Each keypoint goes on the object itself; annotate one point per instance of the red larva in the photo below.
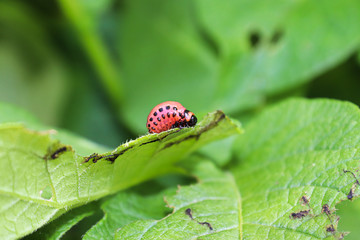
(168, 115)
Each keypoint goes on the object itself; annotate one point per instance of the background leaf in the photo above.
(56, 229)
(233, 55)
(124, 208)
(297, 148)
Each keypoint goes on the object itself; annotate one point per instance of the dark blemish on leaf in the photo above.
(276, 37)
(197, 136)
(356, 180)
(207, 224)
(188, 212)
(112, 157)
(156, 140)
(305, 200)
(328, 212)
(299, 215)
(326, 209)
(254, 39)
(92, 157)
(351, 193)
(330, 228)
(56, 154)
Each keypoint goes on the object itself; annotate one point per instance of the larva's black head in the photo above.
(193, 121)
(190, 118)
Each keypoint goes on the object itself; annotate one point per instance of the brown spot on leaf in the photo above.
(326, 209)
(330, 228)
(300, 214)
(189, 213)
(207, 224)
(353, 174)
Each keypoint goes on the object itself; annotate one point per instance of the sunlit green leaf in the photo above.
(210, 209)
(295, 162)
(36, 168)
(297, 148)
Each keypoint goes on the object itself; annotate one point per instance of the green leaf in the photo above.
(30, 68)
(85, 19)
(19, 217)
(289, 177)
(56, 229)
(349, 213)
(291, 48)
(173, 63)
(294, 149)
(123, 209)
(210, 209)
(199, 52)
(37, 169)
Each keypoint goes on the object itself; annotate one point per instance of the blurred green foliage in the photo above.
(96, 68)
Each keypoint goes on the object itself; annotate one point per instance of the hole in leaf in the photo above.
(276, 37)
(46, 193)
(254, 39)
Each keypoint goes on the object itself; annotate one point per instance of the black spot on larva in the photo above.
(168, 114)
(175, 108)
(167, 107)
(155, 123)
(163, 116)
(174, 114)
(159, 119)
(148, 125)
(161, 109)
(152, 128)
(155, 114)
(151, 119)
